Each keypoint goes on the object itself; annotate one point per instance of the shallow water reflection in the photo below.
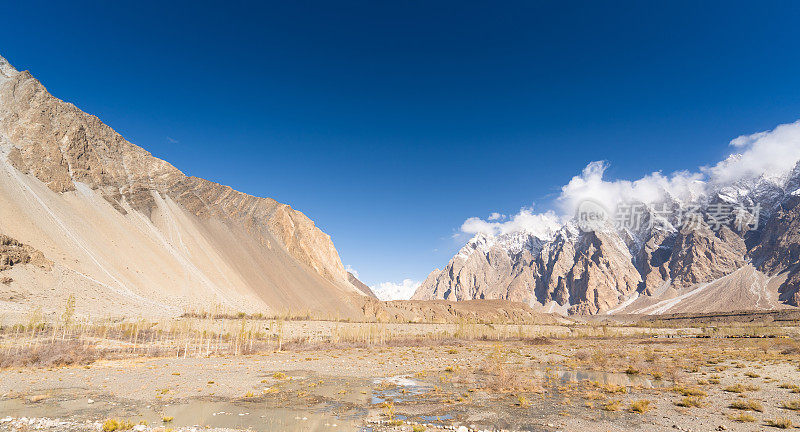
(241, 415)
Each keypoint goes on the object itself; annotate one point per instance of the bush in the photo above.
(110, 425)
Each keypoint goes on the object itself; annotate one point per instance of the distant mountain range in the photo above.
(734, 246)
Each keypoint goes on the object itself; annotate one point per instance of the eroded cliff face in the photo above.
(585, 273)
(484, 269)
(74, 154)
(778, 248)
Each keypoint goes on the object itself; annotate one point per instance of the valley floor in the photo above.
(580, 384)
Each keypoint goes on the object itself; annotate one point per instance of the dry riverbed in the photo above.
(637, 384)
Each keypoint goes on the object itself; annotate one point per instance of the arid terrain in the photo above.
(740, 373)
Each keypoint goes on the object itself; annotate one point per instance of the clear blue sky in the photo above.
(390, 124)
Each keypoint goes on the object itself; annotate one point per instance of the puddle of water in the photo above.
(397, 389)
(621, 379)
(245, 415)
(438, 420)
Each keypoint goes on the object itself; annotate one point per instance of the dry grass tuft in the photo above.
(739, 388)
(793, 405)
(640, 406)
(612, 405)
(743, 418)
(689, 391)
(747, 405)
(690, 402)
(781, 423)
(501, 377)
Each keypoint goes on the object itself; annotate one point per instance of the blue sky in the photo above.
(391, 124)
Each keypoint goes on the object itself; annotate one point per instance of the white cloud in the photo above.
(771, 153)
(172, 140)
(542, 225)
(654, 187)
(496, 216)
(396, 291)
(349, 268)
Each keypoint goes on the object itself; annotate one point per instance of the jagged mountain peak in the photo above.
(6, 69)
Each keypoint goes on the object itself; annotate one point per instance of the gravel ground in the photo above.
(576, 385)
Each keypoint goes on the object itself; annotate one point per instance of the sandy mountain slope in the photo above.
(129, 234)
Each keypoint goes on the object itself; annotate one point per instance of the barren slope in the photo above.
(130, 234)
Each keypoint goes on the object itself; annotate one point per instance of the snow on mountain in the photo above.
(395, 291)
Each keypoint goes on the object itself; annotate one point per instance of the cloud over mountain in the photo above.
(770, 154)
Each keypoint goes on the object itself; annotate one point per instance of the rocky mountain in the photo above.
(665, 264)
(360, 285)
(129, 233)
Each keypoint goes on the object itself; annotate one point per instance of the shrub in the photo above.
(110, 425)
